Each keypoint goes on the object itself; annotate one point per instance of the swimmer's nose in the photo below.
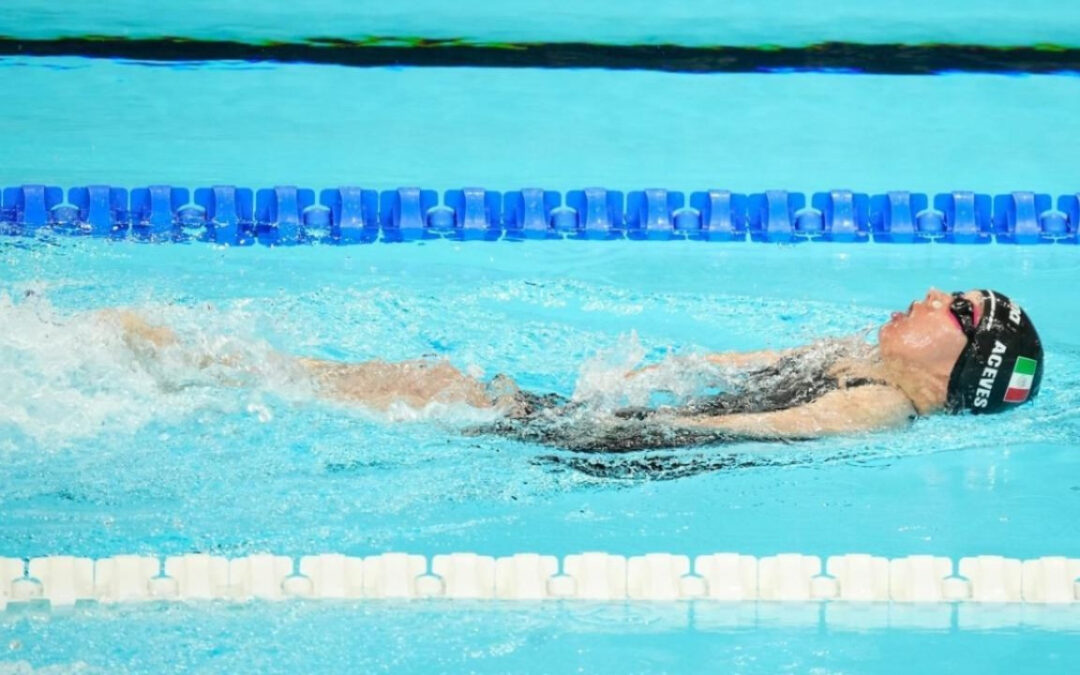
(936, 299)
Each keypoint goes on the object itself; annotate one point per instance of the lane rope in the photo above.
(286, 215)
(597, 576)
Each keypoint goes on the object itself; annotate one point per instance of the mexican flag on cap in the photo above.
(1020, 382)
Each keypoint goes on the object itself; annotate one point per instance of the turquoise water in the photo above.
(89, 432)
(75, 122)
(102, 454)
(688, 22)
(425, 637)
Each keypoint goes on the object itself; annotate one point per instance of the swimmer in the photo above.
(974, 352)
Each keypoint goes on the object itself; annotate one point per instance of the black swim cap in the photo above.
(1002, 364)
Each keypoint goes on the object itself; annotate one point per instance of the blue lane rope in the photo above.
(286, 215)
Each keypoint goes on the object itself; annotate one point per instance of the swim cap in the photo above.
(1002, 364)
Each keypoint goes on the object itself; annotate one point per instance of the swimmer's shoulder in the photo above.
(869, 404)
(869, 407)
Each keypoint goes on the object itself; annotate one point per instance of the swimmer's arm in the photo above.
(735, 360)
(868, 408)
(758, 359)
(137, 331)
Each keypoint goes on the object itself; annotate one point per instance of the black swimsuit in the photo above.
(553, 420)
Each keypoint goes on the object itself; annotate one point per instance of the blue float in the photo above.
(27, 208)
(477, 213)
(650, 214)
(845, 215)
(354, 214)
(965, 217)
(592, 213)
(527, 213)
(722, 215)
(154, 212)
(1027, 218)
(190, 222)
(345, 215)
(893, 217)
(101, 210)
(687, 222)
(229, 213)
(772, 215)
(1054, 224)
(403, 213)
(280, 215)
(1069, 207)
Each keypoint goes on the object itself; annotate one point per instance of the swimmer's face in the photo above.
(928, 336)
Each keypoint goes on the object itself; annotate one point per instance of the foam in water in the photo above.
(69, 377)
(607, 381)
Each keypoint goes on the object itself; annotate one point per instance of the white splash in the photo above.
(71, 376)
(611, 379)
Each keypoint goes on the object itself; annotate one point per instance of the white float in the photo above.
(392, 575)
(597, 576)
(918, 578)
(1050, 580)
(333, 575)
(728, 576)
(260, 576)
(656, 576)
(860, 577)
(787, 576)
(993, 578)
(465, 575)
(124, 578)
(524, 576)
(10, 570)
(64, 579)
(195, 576)
(919, 586)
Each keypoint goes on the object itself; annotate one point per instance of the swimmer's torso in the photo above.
(790, 382)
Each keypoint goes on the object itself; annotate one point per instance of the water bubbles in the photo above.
(73, 375)
(260, 411)
(602, 380)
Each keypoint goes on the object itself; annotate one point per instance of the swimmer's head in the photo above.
(1002, 364)
(960, 352)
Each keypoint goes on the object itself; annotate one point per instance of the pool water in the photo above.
(483, 638)
(693, 22)
(102, 454)
(89, 122)
(89, 431)
(105, 456)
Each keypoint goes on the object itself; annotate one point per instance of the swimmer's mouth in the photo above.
(897, 315)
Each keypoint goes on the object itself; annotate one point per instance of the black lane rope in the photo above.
(893, 59)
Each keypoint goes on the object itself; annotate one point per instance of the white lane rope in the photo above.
(596, 576)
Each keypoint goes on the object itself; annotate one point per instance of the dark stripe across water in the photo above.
(895, 59)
